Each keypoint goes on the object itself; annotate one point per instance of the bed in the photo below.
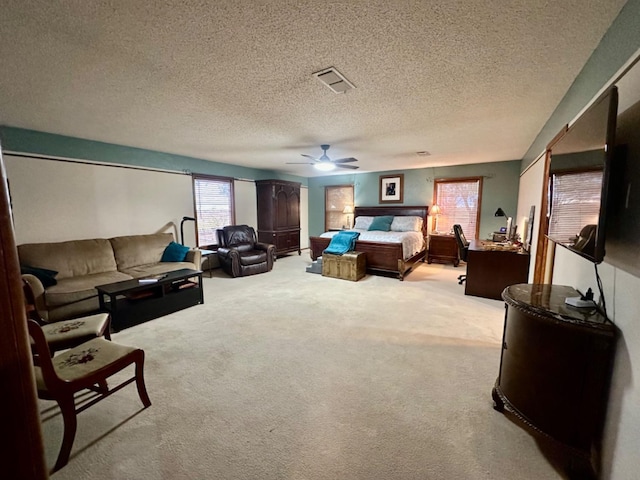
(387, 258)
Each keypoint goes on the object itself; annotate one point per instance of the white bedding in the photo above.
(412, 242)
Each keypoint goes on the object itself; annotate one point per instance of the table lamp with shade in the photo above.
(435, 211)
(348, 210)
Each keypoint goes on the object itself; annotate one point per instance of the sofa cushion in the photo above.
(252, 258)
(174, 252)
(157, 268)
(75, 289)
(133, 250)
(74, 258)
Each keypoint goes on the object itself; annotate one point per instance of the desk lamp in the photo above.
(348, 210)
(435, 210)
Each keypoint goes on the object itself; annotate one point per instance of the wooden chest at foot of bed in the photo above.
(350, 266)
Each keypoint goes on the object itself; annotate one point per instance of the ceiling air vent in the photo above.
(334, 80)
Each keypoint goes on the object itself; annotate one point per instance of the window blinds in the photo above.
(213, 198)
(336, 198)
(575, 202)
(459, 204)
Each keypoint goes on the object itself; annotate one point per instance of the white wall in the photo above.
(56, 200)
(245, 202)
(530, 194)
(621, 292)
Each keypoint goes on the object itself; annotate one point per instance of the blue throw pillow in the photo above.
(46, 276)
(174, 253)
(382, 223)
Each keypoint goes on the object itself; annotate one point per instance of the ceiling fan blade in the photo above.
(309, 156)
(352, 167)
(299, 163)
(345, 160)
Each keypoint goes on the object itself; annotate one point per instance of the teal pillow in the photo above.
(382, 223)
(174, 253)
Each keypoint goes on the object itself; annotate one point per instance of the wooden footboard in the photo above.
(381, 257)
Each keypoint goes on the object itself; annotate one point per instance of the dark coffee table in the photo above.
(131, 302)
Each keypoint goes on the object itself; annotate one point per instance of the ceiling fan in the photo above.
(325, 163)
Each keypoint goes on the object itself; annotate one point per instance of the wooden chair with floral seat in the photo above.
(66, 334)
(59, 378)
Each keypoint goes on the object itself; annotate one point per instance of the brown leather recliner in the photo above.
(240, 254)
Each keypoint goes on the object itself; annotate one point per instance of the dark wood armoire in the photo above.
(279, 214)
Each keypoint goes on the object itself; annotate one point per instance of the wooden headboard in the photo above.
(396, 210)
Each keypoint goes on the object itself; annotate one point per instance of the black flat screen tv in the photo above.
(579, 179)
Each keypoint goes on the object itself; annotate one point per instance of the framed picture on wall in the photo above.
(391, 187)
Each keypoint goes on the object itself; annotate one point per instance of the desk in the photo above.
(490, 271)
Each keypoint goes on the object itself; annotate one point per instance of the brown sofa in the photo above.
(84, 264)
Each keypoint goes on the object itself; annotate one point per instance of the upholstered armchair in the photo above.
(240, 254)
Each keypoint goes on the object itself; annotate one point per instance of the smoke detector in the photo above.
(333, 79)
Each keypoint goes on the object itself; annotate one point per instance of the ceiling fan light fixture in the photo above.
(324, 166)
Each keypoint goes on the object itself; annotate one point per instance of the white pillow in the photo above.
(363, 223)
(406, 224)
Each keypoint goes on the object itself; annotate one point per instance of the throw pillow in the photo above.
(406, 224)
(174, 253)
(363, 223)
(46, 277)
(381, 223)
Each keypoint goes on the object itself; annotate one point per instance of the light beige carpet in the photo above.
(291, 375)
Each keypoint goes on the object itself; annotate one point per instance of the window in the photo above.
(459, 201)
(575, 202)
(336, 198)
(213, 198)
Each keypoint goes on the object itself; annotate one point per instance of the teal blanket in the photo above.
(342, 242)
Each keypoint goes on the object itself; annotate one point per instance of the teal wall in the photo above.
(30, 141)
(500, 189)
(620, 42)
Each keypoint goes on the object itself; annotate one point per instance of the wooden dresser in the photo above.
(278, 204)
(443, 248)
(555, 368)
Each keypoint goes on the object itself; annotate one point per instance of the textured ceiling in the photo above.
(231, 81)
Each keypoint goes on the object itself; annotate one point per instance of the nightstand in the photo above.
(443, 248)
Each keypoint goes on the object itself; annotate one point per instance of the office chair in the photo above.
(463, 248)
